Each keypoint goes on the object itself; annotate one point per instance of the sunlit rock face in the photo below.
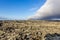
(50, 10)
(52, 36)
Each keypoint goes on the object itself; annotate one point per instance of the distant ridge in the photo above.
(4, 18)
(52, 20)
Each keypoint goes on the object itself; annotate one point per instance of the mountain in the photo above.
(4, 18)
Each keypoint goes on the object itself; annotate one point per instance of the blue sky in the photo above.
(19, 9)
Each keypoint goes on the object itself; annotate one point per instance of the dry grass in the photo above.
(27, 30)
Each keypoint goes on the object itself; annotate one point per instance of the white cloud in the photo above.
(50, 10)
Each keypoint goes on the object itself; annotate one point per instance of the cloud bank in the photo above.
(50, 10)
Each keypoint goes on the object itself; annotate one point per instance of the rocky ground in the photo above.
(29, 30)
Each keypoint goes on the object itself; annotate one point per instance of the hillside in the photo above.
(29, 30)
